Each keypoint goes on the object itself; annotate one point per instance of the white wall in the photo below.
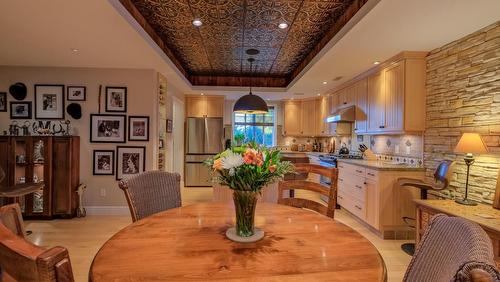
(141, 100)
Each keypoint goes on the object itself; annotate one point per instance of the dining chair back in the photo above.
(21, 260)
(151, 192)
(328, 191)
(11, 217)
(453, 249)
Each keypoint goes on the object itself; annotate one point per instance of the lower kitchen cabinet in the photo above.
(374, 197)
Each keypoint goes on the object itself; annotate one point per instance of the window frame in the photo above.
(259, 124)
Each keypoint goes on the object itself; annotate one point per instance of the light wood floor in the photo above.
(84, 236)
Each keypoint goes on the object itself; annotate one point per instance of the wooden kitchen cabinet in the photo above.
(361, 123)
(204, 106)
(308, 118)
(293, 118)
(323, 108)
(394, 97)
(374, 197)
(376, 102)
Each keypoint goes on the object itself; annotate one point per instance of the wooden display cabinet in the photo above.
(51, 159)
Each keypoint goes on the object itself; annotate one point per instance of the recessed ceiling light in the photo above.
(324, 82)
(319, 94)
(74, 50)
(197, 22)
(283, 25)
(376, 63)
(202, 94)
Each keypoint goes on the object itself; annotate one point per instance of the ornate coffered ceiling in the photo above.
(214, 54)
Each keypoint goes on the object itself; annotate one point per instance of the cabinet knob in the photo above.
(355, 128)
(345, 103)
(364, 183)
(381, 126)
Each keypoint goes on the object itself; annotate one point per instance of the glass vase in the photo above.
(244, 204)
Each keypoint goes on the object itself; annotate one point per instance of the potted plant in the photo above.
(246, 170)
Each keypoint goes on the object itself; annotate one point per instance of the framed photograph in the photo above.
(20, 110)
(116, 99)
(107, 128)
(104, 162)
(3, 101)
(138, 128)
(130, 161)
(169, 125)
(76, 93)
(49, 101)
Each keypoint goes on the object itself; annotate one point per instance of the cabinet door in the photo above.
(371, 203)
(292, 114)
(196, 106)
(308, 118)
(323, 112)
(4, 160)
(361, 106)
(376, 102)
(394, 97)
(334, 103)
(215, 106)
(63, 189)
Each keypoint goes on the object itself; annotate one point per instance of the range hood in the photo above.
(343, 115)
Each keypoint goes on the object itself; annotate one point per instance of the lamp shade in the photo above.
(471, 143)
(250, 104)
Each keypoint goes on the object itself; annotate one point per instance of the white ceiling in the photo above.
(42, 33)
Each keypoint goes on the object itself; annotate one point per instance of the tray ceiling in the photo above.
(214, 53)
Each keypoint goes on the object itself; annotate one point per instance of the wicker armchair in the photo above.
(151, 192)
(453, 249)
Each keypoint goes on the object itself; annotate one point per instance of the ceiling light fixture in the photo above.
(319, 94)
(283, 25)
(324, 82)
(250, 103)
(376, 63)
(202, 93)
(197, 22)
(74, 50)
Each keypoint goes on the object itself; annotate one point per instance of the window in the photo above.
(256, 127)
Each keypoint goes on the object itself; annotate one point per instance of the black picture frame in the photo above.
(131, 130)
(13, 103)
(3, 101)
(169, 126)
(119, 160)
(70, 90)
(94, 138)
(95, 168)
(111, 108)
(43, 114)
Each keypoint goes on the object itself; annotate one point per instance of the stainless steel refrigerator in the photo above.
(204, 138)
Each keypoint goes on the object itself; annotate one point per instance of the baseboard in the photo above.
(107, 210)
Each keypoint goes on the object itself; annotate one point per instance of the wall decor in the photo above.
(106, 128)
(3, 101)
(138, 128)
(169, 126)
(18, 91)
(76, 93)
(20, 110)
(49, 101)
(130, 160)
(116, 99)
(104, 162)
(74, 110)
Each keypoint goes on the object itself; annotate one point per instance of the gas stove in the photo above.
(332, 158)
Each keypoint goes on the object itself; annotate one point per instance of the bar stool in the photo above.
(441, 181)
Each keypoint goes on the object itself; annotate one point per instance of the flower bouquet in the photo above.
(246, 170)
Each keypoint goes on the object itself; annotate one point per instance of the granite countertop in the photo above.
(382, 165)
(303, 153)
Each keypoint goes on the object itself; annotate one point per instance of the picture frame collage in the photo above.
(114, 126)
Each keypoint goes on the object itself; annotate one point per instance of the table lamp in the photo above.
(470, 143)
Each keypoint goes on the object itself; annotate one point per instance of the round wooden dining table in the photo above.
(189, 244)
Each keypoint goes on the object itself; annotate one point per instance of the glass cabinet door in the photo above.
(21, 170)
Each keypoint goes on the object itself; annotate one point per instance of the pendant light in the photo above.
(250, 103)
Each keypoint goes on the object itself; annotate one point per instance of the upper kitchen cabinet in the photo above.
(309, 118)
(361, 103)
(204, 106)
(293, 118)
(323, 111)
(389, 98)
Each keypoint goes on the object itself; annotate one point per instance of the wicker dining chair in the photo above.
(151, 192)
(21, 260)
(329, 191)
(12, 218)
(453, 249)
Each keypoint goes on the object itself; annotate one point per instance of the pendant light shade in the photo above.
(250, 103)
